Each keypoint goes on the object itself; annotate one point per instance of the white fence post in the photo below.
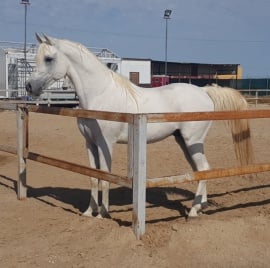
(137, 170)
(22, 145)
(130, 156)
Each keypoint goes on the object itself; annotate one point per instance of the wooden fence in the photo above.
(136, 178)
(256, 96)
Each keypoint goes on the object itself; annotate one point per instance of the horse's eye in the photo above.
(48, 59)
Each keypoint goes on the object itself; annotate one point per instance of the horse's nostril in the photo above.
(28, 87)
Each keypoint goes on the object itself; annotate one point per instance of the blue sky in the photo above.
(199, 31)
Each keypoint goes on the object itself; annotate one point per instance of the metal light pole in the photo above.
(25, 3)
(167, 14)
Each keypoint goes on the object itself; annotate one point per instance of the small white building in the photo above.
(137, 71)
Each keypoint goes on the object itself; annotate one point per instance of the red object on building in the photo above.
(159, 80)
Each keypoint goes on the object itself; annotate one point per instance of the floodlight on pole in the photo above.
(167, 15)
(25, 3)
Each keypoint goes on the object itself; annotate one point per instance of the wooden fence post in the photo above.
(137, 169)
(22, 146)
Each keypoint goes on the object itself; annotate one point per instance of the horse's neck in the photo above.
(90, 78)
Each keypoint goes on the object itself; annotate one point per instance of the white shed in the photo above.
(137, 70)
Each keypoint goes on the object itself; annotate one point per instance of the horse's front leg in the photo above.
(194, 154)
(92, 151)
(105, 158)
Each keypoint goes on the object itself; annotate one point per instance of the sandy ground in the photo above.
(47, 229)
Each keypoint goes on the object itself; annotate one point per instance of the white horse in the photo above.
(99, 88)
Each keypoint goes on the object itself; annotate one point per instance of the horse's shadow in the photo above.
(121, 199)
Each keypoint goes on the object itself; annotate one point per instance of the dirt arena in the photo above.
(47, 229)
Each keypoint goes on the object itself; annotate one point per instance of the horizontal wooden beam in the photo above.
(92, 172)
(102, 115)
(203, 116)
(170, 180)
(207, 175)
(152, 117)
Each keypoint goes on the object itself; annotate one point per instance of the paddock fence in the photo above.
(137, 128)
(256, 96)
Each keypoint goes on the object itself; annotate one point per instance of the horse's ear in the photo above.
(39, 39)
(49, 40)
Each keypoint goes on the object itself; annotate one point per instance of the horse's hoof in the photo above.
(103, 216)
(103, 213)
(89, 213)
(193, 213)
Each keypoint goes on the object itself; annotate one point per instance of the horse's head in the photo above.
(52, 65)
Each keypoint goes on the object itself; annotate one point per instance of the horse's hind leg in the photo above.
(193, 148)
(200, 200)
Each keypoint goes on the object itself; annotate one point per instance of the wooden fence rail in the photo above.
(208, 175)
(136, 151)
(111, 116)
(99, 174)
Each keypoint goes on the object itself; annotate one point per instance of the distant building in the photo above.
(183, 71)
(137, 71)
(143, 72)
(147, 72)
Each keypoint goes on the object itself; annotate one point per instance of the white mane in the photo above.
(124, 83)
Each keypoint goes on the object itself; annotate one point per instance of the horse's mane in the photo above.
(118, 79)
(124, 83)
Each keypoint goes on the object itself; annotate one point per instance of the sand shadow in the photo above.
(121, 198)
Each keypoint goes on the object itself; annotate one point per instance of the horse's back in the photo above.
(178, 97)
(175, 98)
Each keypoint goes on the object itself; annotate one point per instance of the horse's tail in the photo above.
(228, 99)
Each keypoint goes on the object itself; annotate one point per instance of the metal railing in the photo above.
(49, 97)
(255, 96)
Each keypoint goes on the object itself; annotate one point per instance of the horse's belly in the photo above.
(155, 132)
(160, 131)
